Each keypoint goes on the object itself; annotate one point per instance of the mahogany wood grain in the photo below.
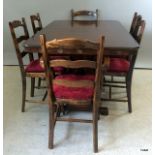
(116, 36)
(118, 41)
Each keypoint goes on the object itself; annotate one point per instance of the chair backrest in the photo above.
(137, 27)
(75, 46)
(19, 38)
(139, 30)
(36, 23)
(134, 22)
(84, 15)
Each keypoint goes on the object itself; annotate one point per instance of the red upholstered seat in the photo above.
(34, 66)
(71, 92)
(76, 77)
(118, 65)
(58, 69)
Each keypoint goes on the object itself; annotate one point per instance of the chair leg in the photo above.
(39, 82)
(44, 97)
(51, 127)
(129, 96)
(110, 89)
(23, 94)
(32, 87)
(95, 127)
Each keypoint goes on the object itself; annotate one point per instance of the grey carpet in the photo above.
(120, 133)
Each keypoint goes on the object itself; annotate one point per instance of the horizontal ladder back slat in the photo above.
(21, 38)
(34, 17)
(73, 64)
(84, 12)
(38, 29)
(23, 53)
(74, 84)
(72, 43)
(16, 23)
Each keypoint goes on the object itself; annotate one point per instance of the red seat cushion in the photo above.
(57, 69)
(75, 93)
(34, 66)
(118, 65)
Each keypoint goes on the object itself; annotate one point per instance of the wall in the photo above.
(50, 10)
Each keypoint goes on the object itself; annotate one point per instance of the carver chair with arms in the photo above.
(73, 89)
(33, 69)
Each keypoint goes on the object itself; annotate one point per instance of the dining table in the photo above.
(118, 41)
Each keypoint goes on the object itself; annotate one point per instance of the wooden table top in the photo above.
(116, 36)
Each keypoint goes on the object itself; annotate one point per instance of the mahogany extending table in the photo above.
(117, 39)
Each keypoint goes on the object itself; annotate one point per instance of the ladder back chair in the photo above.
(120, 67)
(36, 23)
(33, 69)
(36, 26)
(139, 30)
(73, 89)
(133, 23)
(84, 16)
